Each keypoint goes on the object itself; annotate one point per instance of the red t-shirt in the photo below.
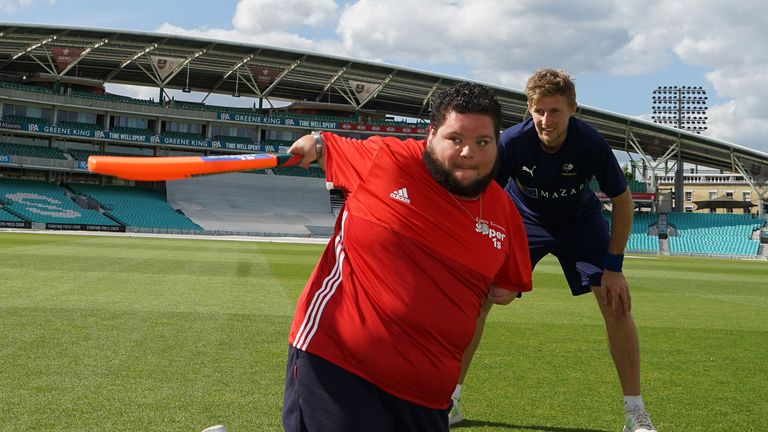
(397, 292)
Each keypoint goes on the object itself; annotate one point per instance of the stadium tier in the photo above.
(25, 119)
(131, 130)
(312, 171)
(713, 234)
(640, 238)
(48, 203)
(260, 205)
(23, 87)
(634, 186)
(183, 135)
(82, 155)
(111, 98)
(31, 151)
(137, 207)
(80, 125)
(50, 134)
(233, 139)
(8, 217)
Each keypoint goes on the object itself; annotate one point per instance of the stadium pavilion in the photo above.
(59, 105)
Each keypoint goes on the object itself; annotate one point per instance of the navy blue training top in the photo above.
(553, 188)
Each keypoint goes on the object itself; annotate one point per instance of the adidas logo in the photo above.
(401, 195)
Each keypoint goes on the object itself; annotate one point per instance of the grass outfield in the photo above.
(127, 334)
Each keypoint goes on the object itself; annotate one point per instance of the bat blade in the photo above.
(181, 167)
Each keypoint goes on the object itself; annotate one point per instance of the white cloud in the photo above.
(503, 42)
(495, 39)
(272, 38)
(266, 16)
(137, 92)
(11, 6)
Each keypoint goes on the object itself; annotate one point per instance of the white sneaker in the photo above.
(454, 415)
(638, 420)
(217, 428)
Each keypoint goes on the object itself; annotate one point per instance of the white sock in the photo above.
(633, 402)
(456, 392)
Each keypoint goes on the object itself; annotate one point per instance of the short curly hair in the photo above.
(465, 98)
(550, 82)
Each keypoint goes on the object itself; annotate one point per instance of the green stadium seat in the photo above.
(43, 202)
(182, 135)
(137, 207)
(131, 130)
(233, 139)
(25, 119)
(9, 217)
(31, 151)
(80, 125)
(713, 234)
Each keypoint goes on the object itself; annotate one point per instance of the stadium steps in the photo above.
(13, 118)
(642, 236)
(82, 155)
(131, 130)
(42, 202)
(14, 217)
(112, 98)
(233, 139)
(35, 151)
(80, 125)
(183, 135)
(136, 207)
(664, 247)
(713, 234)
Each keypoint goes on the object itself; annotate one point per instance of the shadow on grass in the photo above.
(480, 423)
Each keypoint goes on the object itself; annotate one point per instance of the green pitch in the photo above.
(127, 334)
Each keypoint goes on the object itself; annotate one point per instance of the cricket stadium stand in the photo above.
(255, 204)
(31, 151)
(5, 216)
(136, 207)
(713, 234)
(56, 109)
(47, 203)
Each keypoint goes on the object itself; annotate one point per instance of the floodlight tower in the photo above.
(685, 108)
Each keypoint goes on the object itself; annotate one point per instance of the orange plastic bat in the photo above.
(180, 167)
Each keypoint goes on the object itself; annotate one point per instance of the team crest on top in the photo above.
(568, 169)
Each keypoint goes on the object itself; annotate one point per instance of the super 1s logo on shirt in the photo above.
(496, 236)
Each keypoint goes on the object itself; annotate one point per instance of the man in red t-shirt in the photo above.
(425, 238)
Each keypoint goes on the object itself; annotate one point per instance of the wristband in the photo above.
(613, 262)
(319, 144)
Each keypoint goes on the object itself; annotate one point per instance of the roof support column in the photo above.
(679, 180)
(754, 182)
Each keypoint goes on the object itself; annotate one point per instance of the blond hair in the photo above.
(550, 82)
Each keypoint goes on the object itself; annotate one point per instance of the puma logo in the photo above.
(529, 170)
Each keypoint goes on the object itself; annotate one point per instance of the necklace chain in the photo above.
(477, 219)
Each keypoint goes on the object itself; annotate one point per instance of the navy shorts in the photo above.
(320, 397)
(580, 247)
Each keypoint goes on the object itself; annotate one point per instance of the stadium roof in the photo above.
(215, 66)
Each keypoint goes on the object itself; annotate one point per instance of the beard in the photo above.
(449, 181)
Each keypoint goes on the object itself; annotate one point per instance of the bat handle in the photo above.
(286, 160)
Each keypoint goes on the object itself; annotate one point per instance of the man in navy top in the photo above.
(546, 165)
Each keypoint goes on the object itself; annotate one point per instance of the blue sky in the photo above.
(617, 51)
